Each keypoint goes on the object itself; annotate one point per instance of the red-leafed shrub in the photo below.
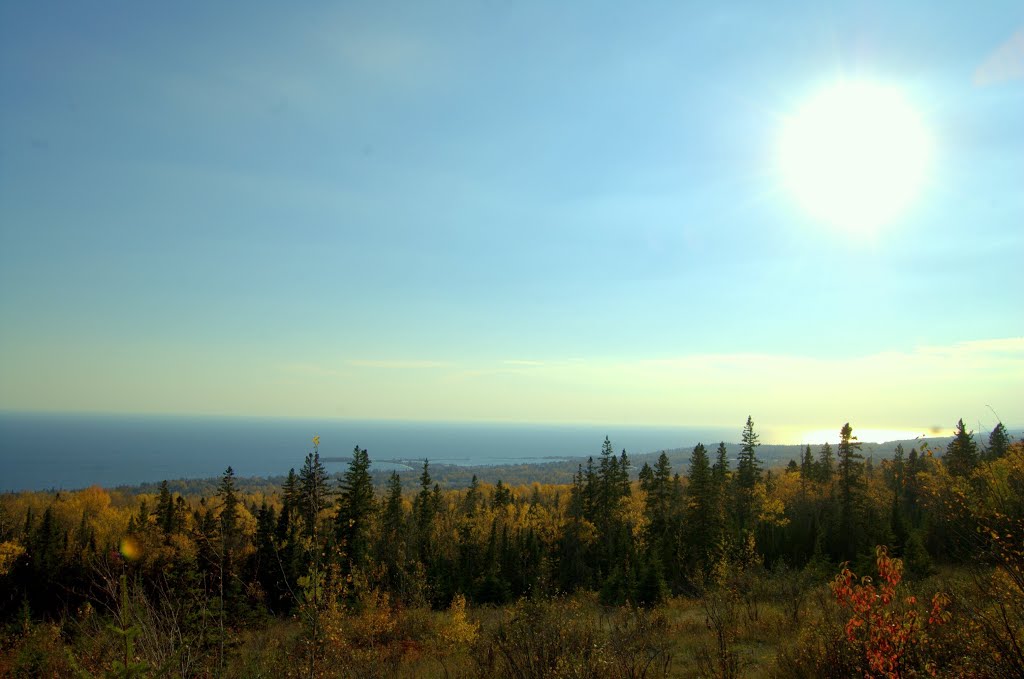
(893, 633)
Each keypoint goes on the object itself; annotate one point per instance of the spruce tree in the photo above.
(807, 465)
(851, 471)
(748, 473)
(962, 453)
(645, 477)
(424, 509)
(165, 510)
(825, 465)
(998, 442)
(748, 467)
(471, 502)
(660, 511)
(702, 531)
(392, 538)
(623, 475)
(228, 497)
(899, 470)
(355, 508)
(720, 470)
(502, 496)
(314, 493)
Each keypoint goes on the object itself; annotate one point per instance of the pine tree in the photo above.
(392, 541)
(998, 443)
(702, 531)
(502, 496)
(165, 510)
(608, 480)
(646, 477)
(180, 514)
(291, 493)
(825, 463)
(720, 477)
(423, 507)
(228, 496)
(962, 453)
(659, 510)
(748, 473)
(720, 470)
(355, 508)
(314, 494)
(807, 465)
(623, 475)
(471, 502)
(850, 491)
(590, 491)
(899, 470)
(748, 467)
(394, 516)
(424, 510)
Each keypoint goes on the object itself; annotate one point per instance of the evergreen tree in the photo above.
(826, 466)
(748, 473)
(850, 492)
(899, 470)
(502, 496)
(355, 508)
(702, 531)
(646, 477)
(573, 564)
(266, 565)
(660, 511)
(228, 496)
(998, 443)
(391, 547)
(424, 510)
(748, 467)
(807, 465)
(473, 498)
(720, 477)
(45, 549)
(291, 492)
(314, 494)
(623, 475)
(962, 453)
(720, 471)
(423, 507)
(180, 514)
(394, 516)
(609, 486)
(590, 490)
(165, 510)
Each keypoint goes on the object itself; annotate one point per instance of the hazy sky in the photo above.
(499, 210)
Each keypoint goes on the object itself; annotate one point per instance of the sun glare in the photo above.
(855, 155)
(820, 436)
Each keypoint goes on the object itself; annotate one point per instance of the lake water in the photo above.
(40, 451)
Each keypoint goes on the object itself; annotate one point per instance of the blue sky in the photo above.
(498, 211)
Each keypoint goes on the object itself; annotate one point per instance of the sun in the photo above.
(855, 155)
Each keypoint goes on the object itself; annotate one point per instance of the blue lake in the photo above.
(40, 451)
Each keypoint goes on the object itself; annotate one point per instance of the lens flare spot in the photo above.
(130, 549)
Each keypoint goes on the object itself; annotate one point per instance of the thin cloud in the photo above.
(1013, 346)
(1004, 64)
(397, 364)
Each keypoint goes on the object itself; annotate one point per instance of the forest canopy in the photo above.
(165, 582)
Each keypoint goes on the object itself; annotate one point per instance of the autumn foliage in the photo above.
(891, 631)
